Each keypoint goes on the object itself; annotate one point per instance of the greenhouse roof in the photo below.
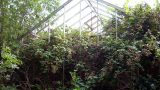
(81, 14)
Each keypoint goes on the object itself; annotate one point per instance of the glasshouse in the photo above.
(79, 44)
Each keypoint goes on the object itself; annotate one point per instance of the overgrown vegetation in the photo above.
(72, 62)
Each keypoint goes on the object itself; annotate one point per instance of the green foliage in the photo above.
(7, 65)
(127, 9)
(77, 82)
(8, 88)
(18, 16)
(80, 84)
(133, 59)
(142, 21)
(72, 62)
(10, 60)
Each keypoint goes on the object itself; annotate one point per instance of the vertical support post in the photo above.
(49, 32)
(64, 23)
(91, 21)
(116, 26)
(80, 29)
(97, 23)
(91, 25)
(80, 24)
(64, 28)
